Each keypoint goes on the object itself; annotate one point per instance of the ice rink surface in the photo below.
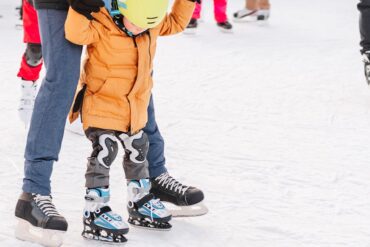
(272, 122)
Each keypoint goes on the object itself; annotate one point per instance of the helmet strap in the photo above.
(118, 20)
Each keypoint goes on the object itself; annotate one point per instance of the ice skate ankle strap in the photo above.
(96, 199)
(103, 210)
(143, 200)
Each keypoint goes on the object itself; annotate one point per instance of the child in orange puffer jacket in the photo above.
(115, 88)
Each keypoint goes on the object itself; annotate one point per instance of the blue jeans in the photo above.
(62, 63)
(155, 155)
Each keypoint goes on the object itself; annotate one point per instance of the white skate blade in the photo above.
(27, 232)
(150, 228)
(187, 211)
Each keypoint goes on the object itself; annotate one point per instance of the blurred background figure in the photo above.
(219, 7)
(255, 10)
(364, 8)
(19, 11)
(31, 63)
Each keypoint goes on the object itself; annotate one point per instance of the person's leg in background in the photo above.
(251, 4)
(220, 8)
(264, 4)
(31, 62)
(193, 24)
(364, 25)
(197, 11)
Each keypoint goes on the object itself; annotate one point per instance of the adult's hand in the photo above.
(86, 7)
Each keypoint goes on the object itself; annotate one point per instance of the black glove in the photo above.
(366, 60)
(85, 7)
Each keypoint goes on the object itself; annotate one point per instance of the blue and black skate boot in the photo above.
(100, 222)
(144, 209)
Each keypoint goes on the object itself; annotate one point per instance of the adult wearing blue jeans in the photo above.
(35, 208)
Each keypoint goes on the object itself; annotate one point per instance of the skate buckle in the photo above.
(130, 204)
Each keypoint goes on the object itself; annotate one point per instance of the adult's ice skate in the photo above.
(39, 221)
(184, 200)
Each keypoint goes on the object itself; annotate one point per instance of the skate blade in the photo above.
(27, 232)
(91, 237)
(148, 226)
(151, 228)
(198, 209)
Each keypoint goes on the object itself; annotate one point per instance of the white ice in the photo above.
(272, 122)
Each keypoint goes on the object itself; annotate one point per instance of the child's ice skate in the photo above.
(185, 200)
(39, 221)
(100, 223)
(144, 210)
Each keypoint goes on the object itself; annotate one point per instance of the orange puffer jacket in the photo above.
(117, 70)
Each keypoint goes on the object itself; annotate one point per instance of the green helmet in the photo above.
(143, 13)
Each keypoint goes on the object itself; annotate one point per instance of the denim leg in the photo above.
(155, 155)
(62, 63)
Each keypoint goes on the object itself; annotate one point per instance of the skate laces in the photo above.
(45, 204)
(169, 182)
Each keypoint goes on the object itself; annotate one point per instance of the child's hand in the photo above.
(85, 7)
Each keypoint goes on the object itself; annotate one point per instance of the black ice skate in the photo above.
(39, 221)
(225, 26)
(185, 200)
(144, 210)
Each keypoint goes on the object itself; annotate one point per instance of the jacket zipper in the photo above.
(150, 54)
(134, 38)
